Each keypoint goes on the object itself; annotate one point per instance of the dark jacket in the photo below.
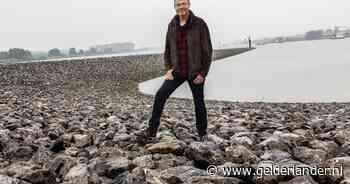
(199, 46)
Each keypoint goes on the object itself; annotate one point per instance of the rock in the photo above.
(3, 163)
(72, 151)
(78, 174)
(275, 155)
(328, 146)
(309, 156)
(346, 181)
(122, 178)
(341, 136)
(118, 165)
(215, 180)
(55, 131)
(165, 148)
(12, 123)
(21, 152)
(245, 141)
(267, 172)
(4, 137)
(19, 169)
(137, 175)
(291, 163)
(222, 143)
(320, 125)
(301, 180)
(67, 138)
(140, 175)
(181, 174)
(29, 172)
(227, 130)
(98, 166)
(184, 134)
(42, 156)
(83, 156)
(303, 132)
(274, 142)
(153, 176)
(266, 125)
(336, 164)
(290, 138)
(112, 119)
(92, 151)
(165, 161)
(204, 154)
(82, 140)
(57, 146)
(9, 180)
(268, 178)
(240, 154)
(60, 165)
(144, 161)
(123, 140)
(40, 176)
(29, 134)
(345, 148)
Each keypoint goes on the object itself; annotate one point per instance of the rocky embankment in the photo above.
(74, 122)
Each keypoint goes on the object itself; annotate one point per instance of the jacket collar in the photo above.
(176, 20)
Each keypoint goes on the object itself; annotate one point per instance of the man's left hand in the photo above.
(199, 79)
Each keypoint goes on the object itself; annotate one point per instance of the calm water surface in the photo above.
(308, 71)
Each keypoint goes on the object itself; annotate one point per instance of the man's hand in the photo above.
(169, 75)
(199, 79)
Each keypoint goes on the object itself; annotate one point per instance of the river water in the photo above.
(307, 71)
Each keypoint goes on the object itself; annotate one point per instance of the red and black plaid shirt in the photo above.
(182, 51)
(181, 41)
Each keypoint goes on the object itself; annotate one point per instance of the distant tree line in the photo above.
(22, 54)
(25, 55)
(16, 53)
(55, 52)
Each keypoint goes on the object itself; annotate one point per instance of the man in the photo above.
(250, 42)
(187, 57)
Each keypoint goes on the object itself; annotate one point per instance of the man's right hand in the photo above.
(169, 75)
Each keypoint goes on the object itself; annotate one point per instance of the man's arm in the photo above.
(207, 50)
(167, 58)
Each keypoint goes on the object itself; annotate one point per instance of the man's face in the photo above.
(182, 7)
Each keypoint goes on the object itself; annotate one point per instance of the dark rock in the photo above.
(204, 154)
(40, 176)
(60, 165)
(181, 174)
(57, 146)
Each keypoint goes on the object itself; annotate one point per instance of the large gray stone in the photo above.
(9, 180)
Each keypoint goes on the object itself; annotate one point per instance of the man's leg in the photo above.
(200, 109)
(167, 88)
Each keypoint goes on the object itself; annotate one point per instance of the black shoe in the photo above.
(203, 138)
(145, 136)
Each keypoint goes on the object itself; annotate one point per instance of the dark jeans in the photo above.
(167, 88)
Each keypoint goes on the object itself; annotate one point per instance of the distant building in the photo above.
(337, 32)
(115, 48)
(342, 33)
(329, 33)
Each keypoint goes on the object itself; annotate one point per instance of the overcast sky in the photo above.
(45, 24)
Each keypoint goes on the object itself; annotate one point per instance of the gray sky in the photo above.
(44, 24)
